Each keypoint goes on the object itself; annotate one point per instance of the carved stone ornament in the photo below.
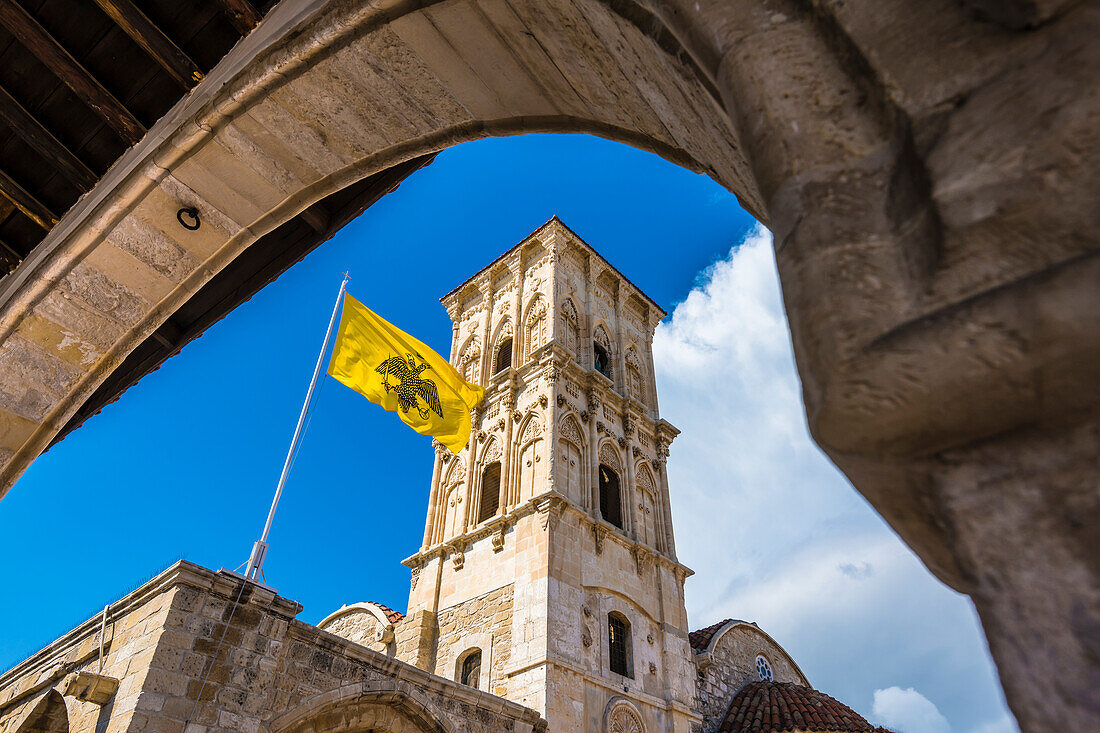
(610, 457)
(599, 532)
(549, 510)
(600, 427)
(498, 537)
(499, 425)
(553, 371)
(458, 558)
(641, 558)
(517, 415)
(622, 717)
(561, 400)
(584, 416)
(636, 451)
(481, 436)
(569, 431)
(544, 400)
(652, 668)
(593, 399)
(628, 424)
(586, 639)
(622, 442)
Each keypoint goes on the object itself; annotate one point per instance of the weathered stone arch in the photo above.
(46, 715)
(610, 456)
(536, 326)
(390, 706)
(941, 200)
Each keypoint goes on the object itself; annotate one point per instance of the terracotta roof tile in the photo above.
(391, 615)
(773, 707)
(700, 639)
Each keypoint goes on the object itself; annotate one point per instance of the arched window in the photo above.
(764, 669)
(618, 644)
(490, 492)
(469, 669)
(601, 352)
(471, 360)
(611, 505)
(504, 356)
(570, 326)
(535, 335)
(635, 386)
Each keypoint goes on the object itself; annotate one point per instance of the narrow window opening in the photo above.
(471, 669)
(504, 356)
(611, 507)
(490, 492)
(602, 359)
(618, 644)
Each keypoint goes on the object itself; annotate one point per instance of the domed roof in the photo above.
(772, 707)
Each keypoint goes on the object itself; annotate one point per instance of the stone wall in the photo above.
(190, 654)
(484, 622)
(362, 625)
(730, 663)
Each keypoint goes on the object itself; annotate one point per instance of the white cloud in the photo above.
(908, 711)
(775, 532)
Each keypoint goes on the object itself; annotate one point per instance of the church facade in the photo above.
(546, 594)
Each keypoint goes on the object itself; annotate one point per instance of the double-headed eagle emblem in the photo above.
(411, 388)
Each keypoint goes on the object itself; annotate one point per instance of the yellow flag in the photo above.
(392, 369)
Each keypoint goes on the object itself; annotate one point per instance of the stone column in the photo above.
(666, 507)
(651, 373)
(507, 490)
(486, 288)
(593, 452)
(433, 496)
(630, 498)
(471, 465)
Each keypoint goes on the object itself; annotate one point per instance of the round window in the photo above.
(764, 669)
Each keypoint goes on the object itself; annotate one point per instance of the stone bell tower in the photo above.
(548, 572)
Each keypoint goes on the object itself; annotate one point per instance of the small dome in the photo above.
(773, 707)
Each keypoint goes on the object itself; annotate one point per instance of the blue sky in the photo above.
(184, 464)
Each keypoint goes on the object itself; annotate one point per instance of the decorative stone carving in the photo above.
(584, 416)
(641, 558)
(628, 424)
(517, 415)
(600, 427)
(636, 451)
(549, 509)
(492, 453)
(599, 533)
(415, 576)
(645, 478)
(459, 556)
(543, 400)
(498, 536)
(622, 717)
(652, 668)
(561, 400)
(570, 432)
(586, 639)
(610, 457)
(622, 442)
(481, 436)
(531, 430)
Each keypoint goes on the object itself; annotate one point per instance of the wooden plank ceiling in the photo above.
(80, 82)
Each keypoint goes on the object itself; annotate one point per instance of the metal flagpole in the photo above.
(259, 550)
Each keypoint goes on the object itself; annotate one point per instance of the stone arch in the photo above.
(382, 705)
(571, 460)
(469, 361)
(634, 383)
(536, 327)
(570, 327)
(369, 624)
(530, 458)
(603, 362)
(502, 338)
(623, 716)
(47, 715)
(917, 302)
(610, 456)
(451, 503)
(648, 526)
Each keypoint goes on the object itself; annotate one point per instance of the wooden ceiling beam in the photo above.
(35, 135)
(27, 203)
(242, 14)
(39, 42)
(153, 41)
